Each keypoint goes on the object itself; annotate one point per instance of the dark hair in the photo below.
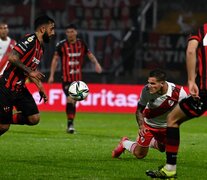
(158, 74)
(43, 19)
(71, 26)
(3, 22)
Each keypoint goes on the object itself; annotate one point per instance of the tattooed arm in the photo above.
(14, 58)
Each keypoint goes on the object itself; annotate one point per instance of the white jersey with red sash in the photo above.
(157, 107)
(5, 47)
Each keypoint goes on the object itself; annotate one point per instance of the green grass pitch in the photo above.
(46, 151)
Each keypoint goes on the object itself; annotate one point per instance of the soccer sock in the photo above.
(153, 144)
(129, 145)
(70, 111)
(172, 145)
(18, 118)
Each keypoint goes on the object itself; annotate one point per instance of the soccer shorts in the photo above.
(194, 108)
(158, 133)
(22, 101)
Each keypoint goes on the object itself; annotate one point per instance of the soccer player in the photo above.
(71, 52)
(6, 45)
(192, 106)
(23, 61)
(157, 99)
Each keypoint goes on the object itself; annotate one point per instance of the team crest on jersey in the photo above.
(171, 103)
(142, 139)
(30, 39)
(35, 60)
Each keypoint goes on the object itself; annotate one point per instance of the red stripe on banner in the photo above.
(109, 98)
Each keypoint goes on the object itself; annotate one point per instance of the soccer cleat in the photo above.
(71, 129)
(162, 173)
(119, 149)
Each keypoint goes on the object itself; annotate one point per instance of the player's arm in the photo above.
(14, 58)
(191, 66)
(41, 89)
(139, 115)
(95, 61)
(53, 67)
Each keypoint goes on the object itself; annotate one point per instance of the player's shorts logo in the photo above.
(7, 109)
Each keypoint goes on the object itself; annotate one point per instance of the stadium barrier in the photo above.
(103, 98)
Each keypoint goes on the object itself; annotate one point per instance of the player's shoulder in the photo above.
(30, 37)
(145, 90)
(174, 86)
(26, 43)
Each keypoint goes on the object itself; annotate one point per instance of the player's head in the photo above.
(157, 81)
(71, 32)
(45, 26)
(4, 30)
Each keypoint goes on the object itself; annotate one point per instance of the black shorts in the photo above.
(22, 101)
(194, 108)
(65, 86)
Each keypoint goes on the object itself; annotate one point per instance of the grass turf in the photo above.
(46, 151)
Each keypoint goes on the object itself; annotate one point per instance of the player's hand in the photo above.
(51, 79)
(142, 130)
(193, 89)
(98, 68)
(37, 75)
(43, 96)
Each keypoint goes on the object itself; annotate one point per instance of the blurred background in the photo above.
(128, 37)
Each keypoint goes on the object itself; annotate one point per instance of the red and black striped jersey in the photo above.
(30, 51)
(72, 55)
(201, 37)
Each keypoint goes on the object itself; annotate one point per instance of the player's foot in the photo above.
(162, 173)
(119, 149)
(71, 129)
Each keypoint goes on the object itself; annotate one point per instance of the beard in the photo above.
(46, 38)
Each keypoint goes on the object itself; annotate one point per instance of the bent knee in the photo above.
(4, 128)
(139, 155)
(34, 119)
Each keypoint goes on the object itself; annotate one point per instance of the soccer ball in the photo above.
(78, 90)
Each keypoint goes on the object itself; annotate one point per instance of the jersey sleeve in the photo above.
(58, 49)
(182, 94)
(87, 50)
(143, 100)
(196, 35)
(143, 97)
(25, 45)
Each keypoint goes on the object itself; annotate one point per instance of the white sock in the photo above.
(128, 145)
(170, 167)
(153, 143)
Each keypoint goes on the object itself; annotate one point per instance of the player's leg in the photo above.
(174, 119)
(159, 139)
(71, 112)
(138, 148)
(5, 117)
(5, 109)
(4, 128)
(27, 111)
(70, 108)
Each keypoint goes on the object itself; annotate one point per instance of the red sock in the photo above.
(18, 118)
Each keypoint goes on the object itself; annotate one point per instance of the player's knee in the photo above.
(140, 155)
(4, 128)
(34, 119)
